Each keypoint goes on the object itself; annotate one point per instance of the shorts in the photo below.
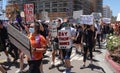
(34, 66)
(2, 47)
(55, 45)
(66, 53)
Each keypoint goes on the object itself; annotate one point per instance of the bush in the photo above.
(113, 42)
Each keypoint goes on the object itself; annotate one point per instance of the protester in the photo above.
(67, 52)
(78, 38)
(3, 39)
(97, 25)
(38, 44)
(87, 43)
(54, 41)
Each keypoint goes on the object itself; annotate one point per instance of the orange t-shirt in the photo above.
(37, 42)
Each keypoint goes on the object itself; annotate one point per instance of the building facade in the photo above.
(1, 4)
(97, 5)
(107, 13)
(56, 8)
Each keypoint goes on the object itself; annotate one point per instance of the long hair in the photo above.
(37, 27)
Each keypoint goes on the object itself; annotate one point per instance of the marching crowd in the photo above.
(84, 37)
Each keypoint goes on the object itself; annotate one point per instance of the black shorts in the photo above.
(34, 66)
(55, 45)
(66, 53)
(78, 41)
(2, 47)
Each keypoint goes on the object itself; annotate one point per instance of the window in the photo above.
(48, 10)
(60, 5)
(61, 10)
(40, 5)
(64, 4)
(47, 4)
(54, 4)
(40, 10)
(54, 10)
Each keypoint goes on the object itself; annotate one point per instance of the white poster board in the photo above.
(118, 17)
(86, 19)
(77, 14)
(97, 15)
(64, 39)
(18, 39)
(54, 29)
(106, 20)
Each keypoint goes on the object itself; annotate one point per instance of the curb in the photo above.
(112, 63)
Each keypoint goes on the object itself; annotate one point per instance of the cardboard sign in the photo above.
(97, 15)
(64, 39)
(53, 29)
(86, 19)
(18, 39)
(29, 12)
(77, 14)
(106, 20)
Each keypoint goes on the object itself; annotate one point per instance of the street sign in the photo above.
(64, 39)
(18, 39)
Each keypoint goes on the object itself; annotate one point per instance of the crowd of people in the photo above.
(84, 37)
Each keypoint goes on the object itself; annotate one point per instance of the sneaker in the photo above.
(52, 66)
(67, 71)
(8, 60)
(19, 71)
(82, 67)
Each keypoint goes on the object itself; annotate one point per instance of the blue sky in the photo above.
(114, 5)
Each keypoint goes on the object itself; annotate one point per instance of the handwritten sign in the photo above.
(106, 20)
(18, 39)
(86, 19)
(53, 29)
(29, 12)
(64, 39)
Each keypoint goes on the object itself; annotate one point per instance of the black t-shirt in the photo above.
(80, 31)
(88, 37)
(3, 34)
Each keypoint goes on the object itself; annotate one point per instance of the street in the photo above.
(99, 63)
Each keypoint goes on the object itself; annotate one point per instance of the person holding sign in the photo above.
(3, 40)
(55, 47)
(38, 47)
(66, 36)
(88, 37)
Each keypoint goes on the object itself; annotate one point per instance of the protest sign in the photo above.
(96, 15)
(64, 39)
(18, 39)
(106, 20)
(54, 29)
(118, 17)
(29, 12)
(86, 19)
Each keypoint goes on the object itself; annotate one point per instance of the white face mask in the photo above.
(31, 30)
